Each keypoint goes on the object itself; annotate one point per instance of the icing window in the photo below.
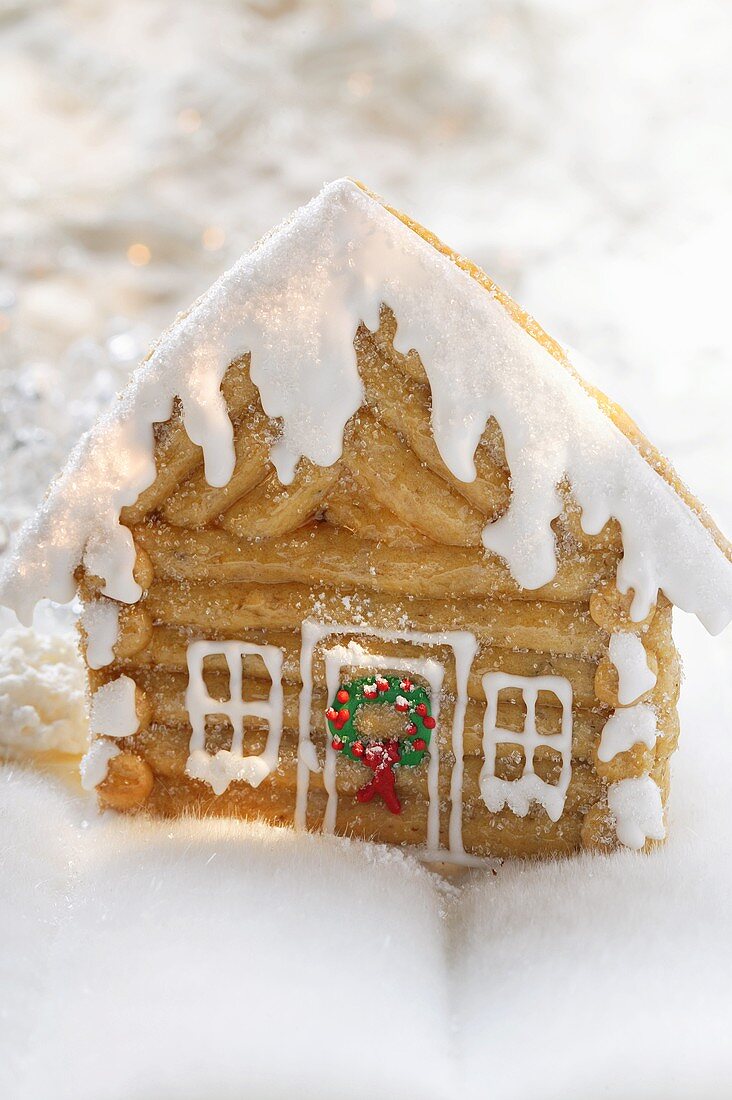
(228, 765)
(548, 741)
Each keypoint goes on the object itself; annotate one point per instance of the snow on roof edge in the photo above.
(338, 259)
(614, 412)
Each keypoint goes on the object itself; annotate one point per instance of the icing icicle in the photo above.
(295, 302)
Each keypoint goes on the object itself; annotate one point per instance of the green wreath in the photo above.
(409, 699)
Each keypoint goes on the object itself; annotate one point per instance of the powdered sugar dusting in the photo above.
(295, 302)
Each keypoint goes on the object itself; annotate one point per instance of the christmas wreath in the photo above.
(408, 699)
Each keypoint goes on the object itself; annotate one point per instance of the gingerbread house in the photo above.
(360, 552)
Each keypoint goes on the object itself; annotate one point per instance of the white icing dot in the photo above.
(42, 685)
(638, 811)
(626, 728)
(629, 656)
(113, 711)
(100, 620)
(95, 764)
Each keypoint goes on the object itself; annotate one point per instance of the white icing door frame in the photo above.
(226, 765)
(353, 656)
(464, 647)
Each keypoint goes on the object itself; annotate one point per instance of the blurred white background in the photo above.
(579, 150)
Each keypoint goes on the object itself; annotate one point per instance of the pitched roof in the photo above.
(295, 302)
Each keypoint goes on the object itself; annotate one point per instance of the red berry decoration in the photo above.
(337, 744)
(419, 744)
(331, 714)
(343, 696)
(411, 729)
(421, 709)
(382, 684)
(343, 715)
(401, 704)
(406, 685)
(357, 748)
(428, 722)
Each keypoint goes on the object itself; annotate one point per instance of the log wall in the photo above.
(387, 538)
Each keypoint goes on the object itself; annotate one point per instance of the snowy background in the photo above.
(580, 151)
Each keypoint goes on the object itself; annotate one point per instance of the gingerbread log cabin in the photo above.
(360, 552)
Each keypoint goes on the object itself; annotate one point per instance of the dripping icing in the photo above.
(230, 765)
(295, 303)
(100, 622)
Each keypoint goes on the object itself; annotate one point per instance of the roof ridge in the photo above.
(622, 420)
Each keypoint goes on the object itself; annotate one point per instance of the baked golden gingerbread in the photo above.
(360, 552)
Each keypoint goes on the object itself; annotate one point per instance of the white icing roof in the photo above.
(295, 302)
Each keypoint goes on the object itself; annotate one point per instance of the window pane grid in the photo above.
(518, 794)
(229, 764)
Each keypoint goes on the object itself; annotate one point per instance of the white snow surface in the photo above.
(588, 169)
(209, 958)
